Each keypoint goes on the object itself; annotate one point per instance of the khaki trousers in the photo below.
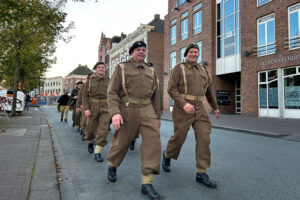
(202, 129)
(83, 121)
(98, 122)
(143, 120)
(64, 110)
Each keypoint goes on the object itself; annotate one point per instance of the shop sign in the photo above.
(280, 60)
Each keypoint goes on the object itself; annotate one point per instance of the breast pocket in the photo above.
(131, 78)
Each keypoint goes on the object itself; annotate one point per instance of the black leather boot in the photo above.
(83, 136)
(98, 157)
(81, 131)
(112, 174)
(166, 163)
(204, 179)
(131, 147)
(150, 191)
(73, 125)
(90, 147)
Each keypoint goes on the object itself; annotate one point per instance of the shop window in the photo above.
(266, 35)
(292, 88)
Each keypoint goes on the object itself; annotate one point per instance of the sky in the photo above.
(108, 16)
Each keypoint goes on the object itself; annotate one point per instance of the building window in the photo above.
(294, 26)
(181, 2)
(184, 29)
(228, 28)
(200, 51)
(172, 60)
(173, 35)
(198, 22)
(292, 88)
(268, 89)
(184, 14)
(198, 6)
(182, 58)
(261, 2)
(176, 4)
(266, 35)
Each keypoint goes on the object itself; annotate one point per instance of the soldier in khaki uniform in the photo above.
(134, 105)
(74, 97)
(96, 110)
(188, 84)
(79, 110)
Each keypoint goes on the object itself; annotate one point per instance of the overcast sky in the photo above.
(110, 16)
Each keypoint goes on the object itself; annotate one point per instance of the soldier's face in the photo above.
(100, 70)
(139, 54)
(192, 55)
(79, 85)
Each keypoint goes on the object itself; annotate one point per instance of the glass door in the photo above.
(268, 93)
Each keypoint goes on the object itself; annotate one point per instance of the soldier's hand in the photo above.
(117, 120)
(159, 124)
(87, 113)
(217, 112)
(189, 108)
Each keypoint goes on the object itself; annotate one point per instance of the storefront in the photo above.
(279, 92)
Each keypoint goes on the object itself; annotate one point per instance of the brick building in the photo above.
(78, 74)
(152, 35)
(252, 60)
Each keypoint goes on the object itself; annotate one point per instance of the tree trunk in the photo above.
(16, 80)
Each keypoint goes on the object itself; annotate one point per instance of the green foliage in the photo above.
(30, 28)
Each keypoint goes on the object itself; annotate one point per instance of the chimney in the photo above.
(156, 16)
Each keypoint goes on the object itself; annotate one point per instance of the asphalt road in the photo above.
(244, 166)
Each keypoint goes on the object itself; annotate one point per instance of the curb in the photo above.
(251, 132)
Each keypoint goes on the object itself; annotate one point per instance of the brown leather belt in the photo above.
(192, 97)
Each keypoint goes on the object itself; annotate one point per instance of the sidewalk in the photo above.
(288, 129)
(27, 168)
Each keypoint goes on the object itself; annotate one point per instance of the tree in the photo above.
(29, 30)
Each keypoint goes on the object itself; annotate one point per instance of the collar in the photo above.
(136, 65)
(192, 64)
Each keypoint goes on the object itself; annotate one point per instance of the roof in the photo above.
(81, 70)
(158, 24)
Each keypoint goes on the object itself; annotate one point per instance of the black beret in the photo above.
(79, 82)
(190, 46)
(98, 63)
(137, 44)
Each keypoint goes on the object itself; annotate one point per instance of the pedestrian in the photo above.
(64, 107)
(96, 110)
(188, 84)
(74, 97)
(27, 101)
(134, 105)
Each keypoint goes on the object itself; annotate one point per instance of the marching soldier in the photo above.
(134, 105)
(188, 84)
(74, 97)
(96, 110)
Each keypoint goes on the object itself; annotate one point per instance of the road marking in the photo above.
(15, 131)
